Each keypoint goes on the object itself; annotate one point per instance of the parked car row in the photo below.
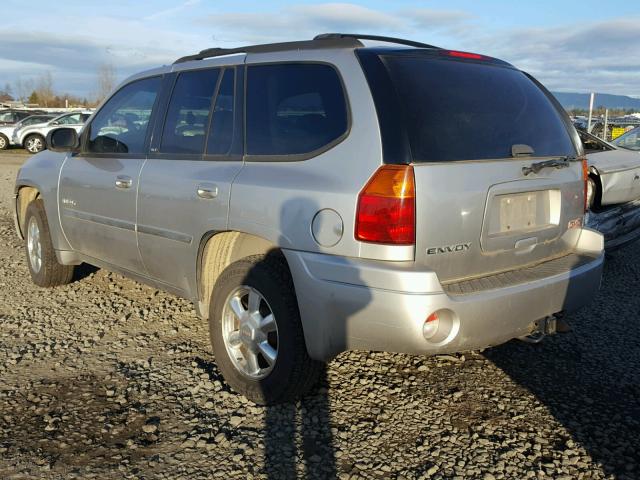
(30, 132)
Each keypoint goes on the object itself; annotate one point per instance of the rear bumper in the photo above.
(349, 304)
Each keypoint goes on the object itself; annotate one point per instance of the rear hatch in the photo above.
(474, 126)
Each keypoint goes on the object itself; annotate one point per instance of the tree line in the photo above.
(39, 91)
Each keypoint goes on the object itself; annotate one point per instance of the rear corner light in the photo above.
(585, 181)
(430, 327)
(387, 206)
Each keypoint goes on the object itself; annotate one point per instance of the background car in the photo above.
(629, 140)
(614, 190)
(33, 137)
(6, 131)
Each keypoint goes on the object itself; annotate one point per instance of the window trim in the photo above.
(296, 157)
(86, 132)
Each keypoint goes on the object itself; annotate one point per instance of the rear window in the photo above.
(461, 110)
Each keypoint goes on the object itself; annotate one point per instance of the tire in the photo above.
(4, 142)
(41, 257)
(293, 373)
(34, 143)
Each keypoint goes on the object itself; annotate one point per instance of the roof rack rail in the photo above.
(380, 38)
(316, 43)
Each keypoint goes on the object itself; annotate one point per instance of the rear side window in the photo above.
(188, 113)
(460, 110)
(121, 124)
(293, 108)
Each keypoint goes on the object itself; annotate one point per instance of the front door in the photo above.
(98, 186)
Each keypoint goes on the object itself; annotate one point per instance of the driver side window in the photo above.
(121, 124)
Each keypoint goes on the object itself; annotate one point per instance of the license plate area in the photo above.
(523, 212)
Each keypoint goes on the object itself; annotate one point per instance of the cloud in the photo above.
(168, 12)
(601, 56)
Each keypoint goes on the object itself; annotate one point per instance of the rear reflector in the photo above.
(387, 206)
(473, 56)
(430, 327)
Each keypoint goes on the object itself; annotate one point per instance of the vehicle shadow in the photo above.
(589, 379)
(298, 436)
(83, 271)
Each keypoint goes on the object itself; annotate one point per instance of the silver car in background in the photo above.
(614, 190)
(32, 137)
(327, 195)
(6, 131)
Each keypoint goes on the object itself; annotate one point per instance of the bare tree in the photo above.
(23, 89)
(106, 81)
(44, 89)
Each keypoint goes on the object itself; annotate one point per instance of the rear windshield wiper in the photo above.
(562, 162)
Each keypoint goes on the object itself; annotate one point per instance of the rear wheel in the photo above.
(41, 257)
(4, 142)
(34, 143)
(256, 332)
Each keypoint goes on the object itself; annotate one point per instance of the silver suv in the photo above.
(320, 196)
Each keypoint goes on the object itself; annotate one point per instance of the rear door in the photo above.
(474, 126)
(185, 185)
(98, 187)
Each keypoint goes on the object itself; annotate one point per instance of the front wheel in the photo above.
(256, 332)
(41, 257)
(34, 143)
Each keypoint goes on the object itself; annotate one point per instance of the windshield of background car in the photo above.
(630, 140)
(467, 110)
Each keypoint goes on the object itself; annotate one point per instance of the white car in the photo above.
(6, 131)
(33, 137)
(614, 190)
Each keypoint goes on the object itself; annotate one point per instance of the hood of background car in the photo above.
(614, 160)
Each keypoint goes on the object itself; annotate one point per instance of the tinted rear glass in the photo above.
(293, 108)
(461, 110)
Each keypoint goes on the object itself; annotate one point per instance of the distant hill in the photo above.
(571, 100)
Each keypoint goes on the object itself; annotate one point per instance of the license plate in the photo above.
(518, 212)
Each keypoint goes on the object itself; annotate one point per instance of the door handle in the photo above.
(207, 191)
(122, 181)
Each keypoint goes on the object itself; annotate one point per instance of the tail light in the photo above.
(585, 180)
(387, 207)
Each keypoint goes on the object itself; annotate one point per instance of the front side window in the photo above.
(72, 119)
(121, 124)
(6, 117)
(188, 113)
(293, 108)
(33, 120)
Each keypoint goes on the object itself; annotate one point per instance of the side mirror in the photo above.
(63, 140)
(55, 123)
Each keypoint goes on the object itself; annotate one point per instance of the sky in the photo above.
(569, 45)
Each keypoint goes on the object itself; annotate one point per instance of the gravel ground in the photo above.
(106, 378)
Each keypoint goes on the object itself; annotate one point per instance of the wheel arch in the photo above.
(25, 194)
(216, 252)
